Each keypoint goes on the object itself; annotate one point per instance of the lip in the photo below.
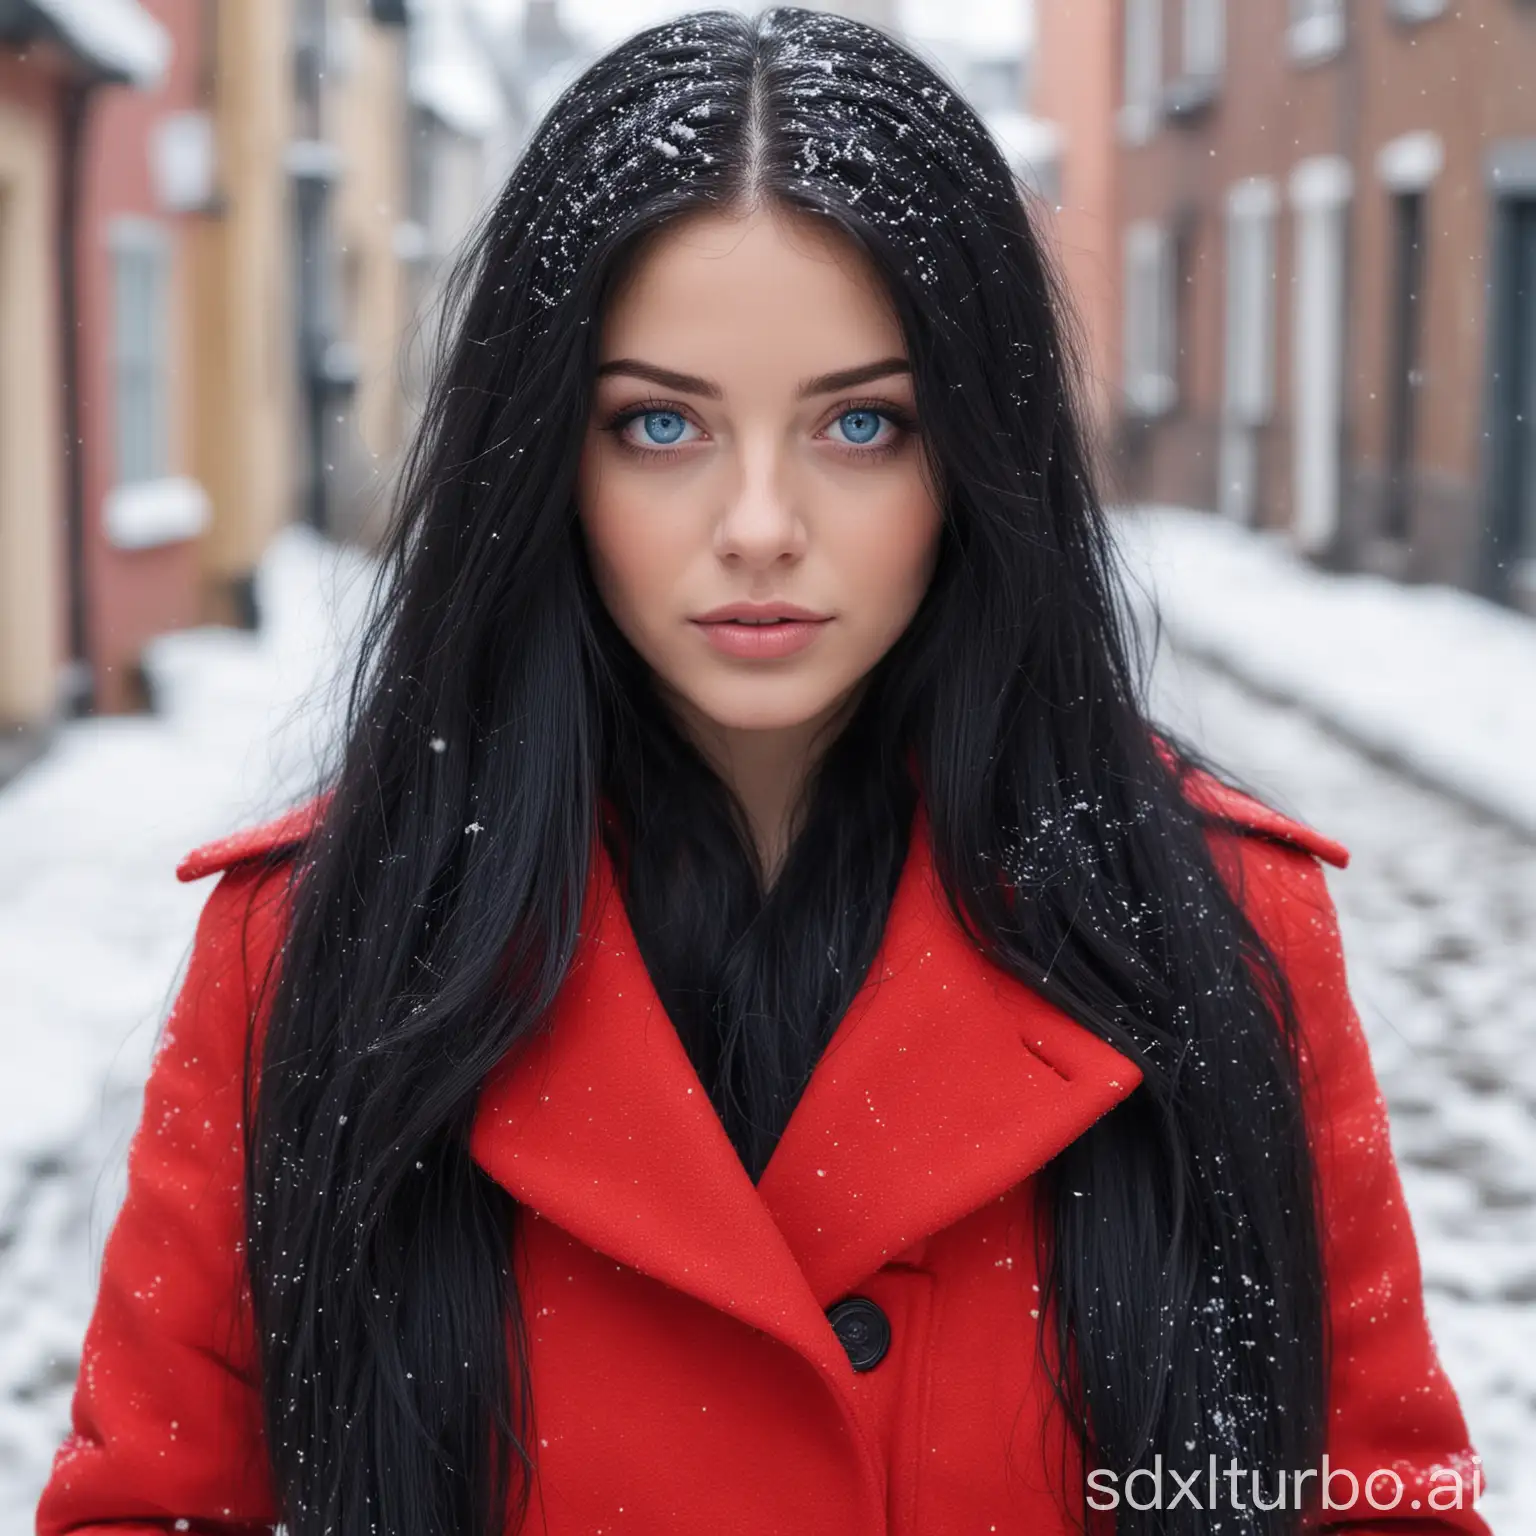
(770, 610)
(798, 628)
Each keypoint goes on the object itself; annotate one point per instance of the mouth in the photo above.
(766, 634)
(761, 615)
(760, 623)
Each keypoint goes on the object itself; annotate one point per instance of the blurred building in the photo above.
(347, 161)
(1075, 87)
(144, 505)
(299, 292)
(68, 238)
(469, 88)
(242, 368)
(202, 299)
(1324, 224)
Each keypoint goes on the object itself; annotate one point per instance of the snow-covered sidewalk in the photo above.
(91, 915)
(1436, 681)
(95, 931)
(1438, 915)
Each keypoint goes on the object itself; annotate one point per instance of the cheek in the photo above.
(625, 543)
(889, 560)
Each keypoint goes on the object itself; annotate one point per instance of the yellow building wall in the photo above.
(367, 118)
(31, 470)
(244, 378)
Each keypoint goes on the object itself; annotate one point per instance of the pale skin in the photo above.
(754, 438)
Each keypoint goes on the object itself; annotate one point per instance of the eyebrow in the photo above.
(691, 384)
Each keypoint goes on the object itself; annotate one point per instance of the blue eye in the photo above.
(662, 427)
(860, 427)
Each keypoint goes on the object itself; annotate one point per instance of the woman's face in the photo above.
(754, 442)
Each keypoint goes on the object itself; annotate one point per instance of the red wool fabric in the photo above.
(686, 1377)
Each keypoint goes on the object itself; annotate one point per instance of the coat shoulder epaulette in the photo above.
(291, 828)
(1252, 816)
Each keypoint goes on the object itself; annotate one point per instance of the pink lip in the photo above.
(758, 611)
(761, 642)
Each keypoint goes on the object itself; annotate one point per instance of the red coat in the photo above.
(686, 1377)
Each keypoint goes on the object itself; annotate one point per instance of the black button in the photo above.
(863, 1331)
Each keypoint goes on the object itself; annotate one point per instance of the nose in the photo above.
(760, 521)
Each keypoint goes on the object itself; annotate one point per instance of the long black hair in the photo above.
(495, 694)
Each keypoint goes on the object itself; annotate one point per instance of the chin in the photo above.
(738, 711)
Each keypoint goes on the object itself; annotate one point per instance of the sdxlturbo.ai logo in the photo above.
(1212, 1487)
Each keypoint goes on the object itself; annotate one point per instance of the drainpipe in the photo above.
(80, 680)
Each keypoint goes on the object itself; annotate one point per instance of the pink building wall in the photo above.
(1076, 86)
(134, 593)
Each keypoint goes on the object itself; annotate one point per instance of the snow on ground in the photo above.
(1282, 671)
(1433, 679)
(94, 933)
(1438, 914)
(1438, 911)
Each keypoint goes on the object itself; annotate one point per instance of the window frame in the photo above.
(140, 252)
(1141, 70)
(1251, 301)
(1150, 319)
(1204, 21)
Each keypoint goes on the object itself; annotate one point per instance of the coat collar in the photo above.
(946, 1083)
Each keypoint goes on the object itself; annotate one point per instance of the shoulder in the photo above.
(240, 935)
(1273, 865)
(1232, 811)
(284, 833)
(246, 914)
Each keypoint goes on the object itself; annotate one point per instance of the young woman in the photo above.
(759, 1034)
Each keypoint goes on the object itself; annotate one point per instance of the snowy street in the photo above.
(1438, 911)
(1438, 914)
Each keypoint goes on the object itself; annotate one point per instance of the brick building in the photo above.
(1324, 222)
(143, 507)
(62, 69)
(201, 305)
(1075, 85)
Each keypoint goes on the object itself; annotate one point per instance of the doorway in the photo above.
(1403, 377)
(1523, 331)
(1512, 403)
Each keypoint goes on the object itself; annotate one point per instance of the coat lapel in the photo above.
(945, 1084)
(601, 1125)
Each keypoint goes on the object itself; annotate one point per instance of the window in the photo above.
(1248, 377)
(140, 279)
(1321, 188)
(1151, 340)
(1248, 386)
(148, 505)
(1317, 29)
(1204, 37)
(1143, 69)
(1202, 45)
(1508, 556)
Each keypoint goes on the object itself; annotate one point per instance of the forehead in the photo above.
(716, 289)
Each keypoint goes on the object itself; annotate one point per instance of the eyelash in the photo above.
(901, 419)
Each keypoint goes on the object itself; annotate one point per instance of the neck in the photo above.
(766, 770)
